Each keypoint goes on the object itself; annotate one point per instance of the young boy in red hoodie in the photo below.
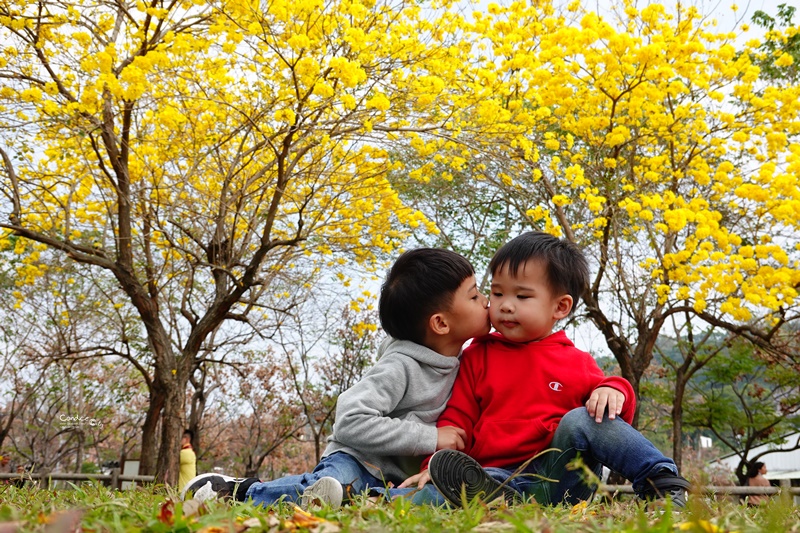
(530, 402)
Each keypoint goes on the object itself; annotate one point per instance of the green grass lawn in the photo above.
(91, 507)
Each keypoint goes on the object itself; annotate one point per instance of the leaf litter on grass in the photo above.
(155, 509)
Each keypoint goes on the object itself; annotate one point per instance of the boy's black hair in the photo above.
(189, 433)
(566, 266)
(420, 283)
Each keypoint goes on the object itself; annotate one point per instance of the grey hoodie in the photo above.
(387, 421)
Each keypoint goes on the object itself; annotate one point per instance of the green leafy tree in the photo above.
(471, 217)
(778, 56)
(746, 397)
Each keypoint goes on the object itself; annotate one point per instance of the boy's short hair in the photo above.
(566, 266)
(188, 433)
(420, 283)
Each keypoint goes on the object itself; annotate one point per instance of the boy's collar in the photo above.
(559, 336)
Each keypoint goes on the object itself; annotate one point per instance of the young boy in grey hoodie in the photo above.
(385, 424)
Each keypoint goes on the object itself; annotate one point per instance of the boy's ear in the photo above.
(438, 324)
(563, 307)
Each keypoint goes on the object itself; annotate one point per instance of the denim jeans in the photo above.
(340, 466)
(549, 479)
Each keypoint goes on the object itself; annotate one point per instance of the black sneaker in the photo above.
(452, 471)
(209, 486)
(665, 484)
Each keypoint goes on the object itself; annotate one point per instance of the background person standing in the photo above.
(188, 460)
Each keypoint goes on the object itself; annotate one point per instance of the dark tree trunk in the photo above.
(147, 465)
(677, 418)
(168, 463)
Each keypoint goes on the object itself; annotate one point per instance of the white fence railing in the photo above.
(114, 478)
(712, 490)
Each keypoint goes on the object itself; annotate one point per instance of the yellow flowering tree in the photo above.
(648, 139)
(206, 156)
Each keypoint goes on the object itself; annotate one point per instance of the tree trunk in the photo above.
(79, 452)
(741, 472)
(168, 389)
(147, 465)
(196, 412)
(677, 418)
(168, 463)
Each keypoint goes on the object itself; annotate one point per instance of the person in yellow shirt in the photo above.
(188, 460)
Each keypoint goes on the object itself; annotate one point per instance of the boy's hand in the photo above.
(603, 397)
(450, 438)
(420, 479)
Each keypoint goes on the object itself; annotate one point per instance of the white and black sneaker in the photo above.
(325, 491)
(457, 475)
(209, 486)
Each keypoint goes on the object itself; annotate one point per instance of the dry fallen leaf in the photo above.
(302, 518)
(65, 522)
(299, 520)
(166, 514)
(193, 507)
(272, 521)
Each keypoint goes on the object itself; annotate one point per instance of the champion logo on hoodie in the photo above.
(556, 386)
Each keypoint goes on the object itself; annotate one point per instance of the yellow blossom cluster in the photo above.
(650, 130)
(207, 135)
(202, 134)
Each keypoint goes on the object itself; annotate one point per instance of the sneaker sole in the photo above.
(450, 470)
(675, 487)
(208, 486)
(326, 490)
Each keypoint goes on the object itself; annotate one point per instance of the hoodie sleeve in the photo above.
(615, 382)
(363, 421)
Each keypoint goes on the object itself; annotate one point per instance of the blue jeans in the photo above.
(340, 466)
(549, 479)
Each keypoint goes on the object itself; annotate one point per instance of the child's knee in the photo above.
(576, 418)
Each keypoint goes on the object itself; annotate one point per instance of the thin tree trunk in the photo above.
(147, 464)
(79, 452)
(677, 418)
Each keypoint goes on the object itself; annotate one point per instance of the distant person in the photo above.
(21, 480)
(4, 460)
(188, 460)
(755, 478)
(385, 425)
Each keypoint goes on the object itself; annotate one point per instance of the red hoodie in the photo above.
(509, 397)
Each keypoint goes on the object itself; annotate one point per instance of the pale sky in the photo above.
(718, 9)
